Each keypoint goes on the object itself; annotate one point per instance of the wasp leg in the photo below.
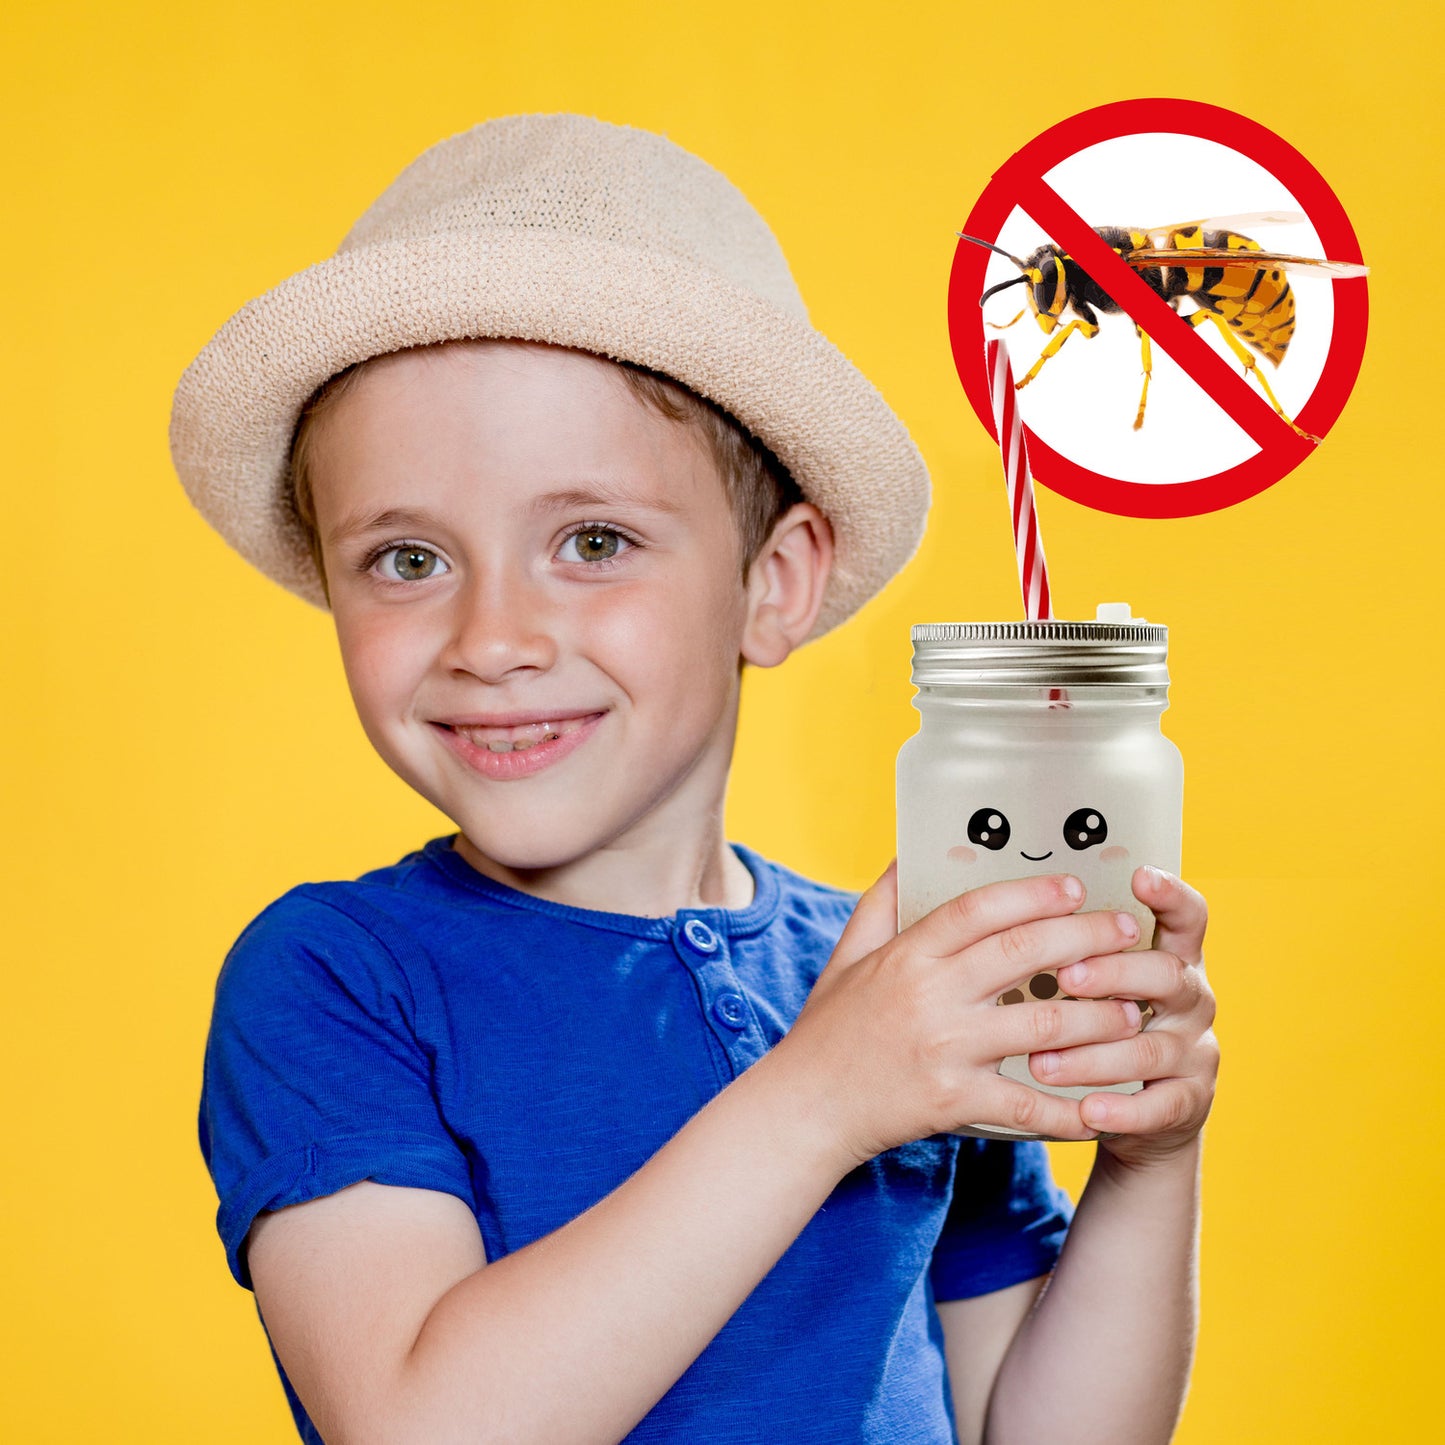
(1005, 326)
(1198, 318)
(1090, 330)
(1146, 356)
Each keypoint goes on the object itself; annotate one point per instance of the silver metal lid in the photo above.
(1041, 654)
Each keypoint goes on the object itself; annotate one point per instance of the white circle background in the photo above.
(1083, 402)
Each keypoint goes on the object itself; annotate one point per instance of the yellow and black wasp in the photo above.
(1231, 279)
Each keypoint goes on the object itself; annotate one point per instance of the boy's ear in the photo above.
(785, 585)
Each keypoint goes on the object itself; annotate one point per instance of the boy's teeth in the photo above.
(519, 739)
(520, 745)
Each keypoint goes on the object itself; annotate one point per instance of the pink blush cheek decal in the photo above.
(963, 854)
(1113, 854)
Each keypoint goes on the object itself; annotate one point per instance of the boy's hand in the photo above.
(902, 1037)
(1176, 1055)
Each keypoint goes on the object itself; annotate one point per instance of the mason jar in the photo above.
(1039, 751)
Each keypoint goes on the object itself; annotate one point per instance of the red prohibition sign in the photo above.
(1020, 182)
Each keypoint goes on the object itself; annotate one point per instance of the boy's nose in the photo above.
(502, 625)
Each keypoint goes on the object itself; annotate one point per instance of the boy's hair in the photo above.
(758, 485)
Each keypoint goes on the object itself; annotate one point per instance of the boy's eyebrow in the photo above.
(602, 495)
(393, 519)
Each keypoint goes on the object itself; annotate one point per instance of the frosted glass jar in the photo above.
(1039, 751)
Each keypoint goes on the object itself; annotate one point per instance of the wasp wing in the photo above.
(1255, 260)
(1159, 235)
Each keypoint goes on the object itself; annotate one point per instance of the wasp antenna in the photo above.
(989, 245)
(1002, 286)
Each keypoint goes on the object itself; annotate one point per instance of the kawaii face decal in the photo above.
(1084, 828)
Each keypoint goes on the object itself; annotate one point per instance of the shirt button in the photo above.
(729, 1008)
(700, 936)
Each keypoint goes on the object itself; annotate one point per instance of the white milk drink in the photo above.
(1039, 751)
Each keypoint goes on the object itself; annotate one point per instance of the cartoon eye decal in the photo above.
(1084, 828)
(988, 828)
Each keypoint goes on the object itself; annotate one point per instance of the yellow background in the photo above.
(180, 748)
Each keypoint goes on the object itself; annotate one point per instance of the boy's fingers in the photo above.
(1153, 1054)
(1160, 978)
(1167, 1106)
(1005, 959)
(982, 912)
(1180, 912)
(874, 921)
(1003, 1102)
(1038, 1029)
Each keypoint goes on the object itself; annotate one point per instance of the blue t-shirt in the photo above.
(425, 1026)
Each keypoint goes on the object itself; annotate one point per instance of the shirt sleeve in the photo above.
(1006, 1222)
(315, 1076)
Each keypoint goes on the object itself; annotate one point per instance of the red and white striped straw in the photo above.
(1033, 571)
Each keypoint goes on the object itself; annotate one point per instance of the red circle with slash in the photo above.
(1020, 182)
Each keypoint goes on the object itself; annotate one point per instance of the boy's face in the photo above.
(538, 592)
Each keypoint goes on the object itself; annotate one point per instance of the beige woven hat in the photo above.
(561, 229)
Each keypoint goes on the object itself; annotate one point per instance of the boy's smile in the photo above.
(502, 749)
(538, 589)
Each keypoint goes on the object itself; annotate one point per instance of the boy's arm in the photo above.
(1105, 1354)
(391, 1328)
(976, 1335)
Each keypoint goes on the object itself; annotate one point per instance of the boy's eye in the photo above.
(593, 544)
(988, 828)
(1085, 827)
(410, 563)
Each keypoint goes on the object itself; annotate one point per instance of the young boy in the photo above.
(582, 1124)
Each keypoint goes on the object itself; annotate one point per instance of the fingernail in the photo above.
(1131, 1013)
(1095, 1113)
(1153, 877)
(1073, 888)
(1046, 1064)
(1074, 975)
(1128, 924)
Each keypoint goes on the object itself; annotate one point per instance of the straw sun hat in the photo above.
(560, 229)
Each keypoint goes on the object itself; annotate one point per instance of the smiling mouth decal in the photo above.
(1040, 857)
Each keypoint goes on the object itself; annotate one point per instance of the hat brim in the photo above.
(237, 405)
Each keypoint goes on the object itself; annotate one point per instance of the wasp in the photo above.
(1232, 280)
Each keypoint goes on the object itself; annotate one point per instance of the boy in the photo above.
(584, 1125)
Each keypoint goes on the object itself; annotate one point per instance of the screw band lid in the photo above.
(1041, 654)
